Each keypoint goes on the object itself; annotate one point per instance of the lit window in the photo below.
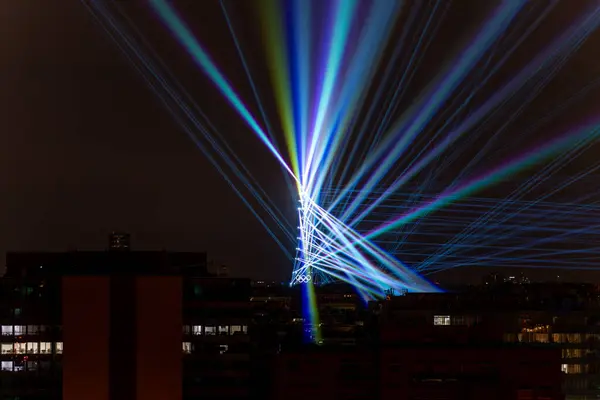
(197, 330)
(6, 365)
(210, 330)
(541, 338)
(7, 330)
(20, 348)
(20, 330)
(441, 320)
(59, 347)
(6, 348)
(223, 330)
(236, 329)
(223, 348)
(45, 348)
(187, 347)
(32, 348)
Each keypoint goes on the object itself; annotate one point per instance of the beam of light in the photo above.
(180, 110)
(370, 46)
(257, 97)
(564, 44)
(273, 32)
(179, 29)
(343, 12)
(436, 96)
(525, 161)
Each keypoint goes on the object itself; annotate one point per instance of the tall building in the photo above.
(118, 316)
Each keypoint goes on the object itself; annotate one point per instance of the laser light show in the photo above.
(405, 152)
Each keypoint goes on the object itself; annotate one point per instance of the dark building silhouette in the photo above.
(119, 314)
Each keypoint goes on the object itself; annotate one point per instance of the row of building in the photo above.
(124, 325)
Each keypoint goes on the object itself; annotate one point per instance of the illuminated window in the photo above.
(566, 337)
(197, 330)
(572, 353)
(45, 348)
(20, 348)
(223, 349)
(574, 368)
(245, 329)
(59, 347)
(236, 329)
(6, 348)
(210, 330)
(6, 365)
(441, 320)
(187, 347)
(20, 330)
(541, 338)
(7, 330)
(510, 337)
(32, 348)
(223, 330)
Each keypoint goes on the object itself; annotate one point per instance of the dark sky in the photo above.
(85, 148)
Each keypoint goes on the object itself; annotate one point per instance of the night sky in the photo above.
(85, 148)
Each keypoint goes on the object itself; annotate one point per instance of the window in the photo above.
(572, 353)
(33, 329)
(6, 348)
(441, 320)
(574, 368)
(20, 348)
(197, 330)
(6, 366)
(186, 329)
(20, 330)
(224, 330)
(223, 348)
(510, 337)
(187, 347)
(236, 329)
(59, 347)
(45, 348)
(7, 330)
(566, 337)
(210, 330)
(541, 338)
(32, 348)
(32, 365)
